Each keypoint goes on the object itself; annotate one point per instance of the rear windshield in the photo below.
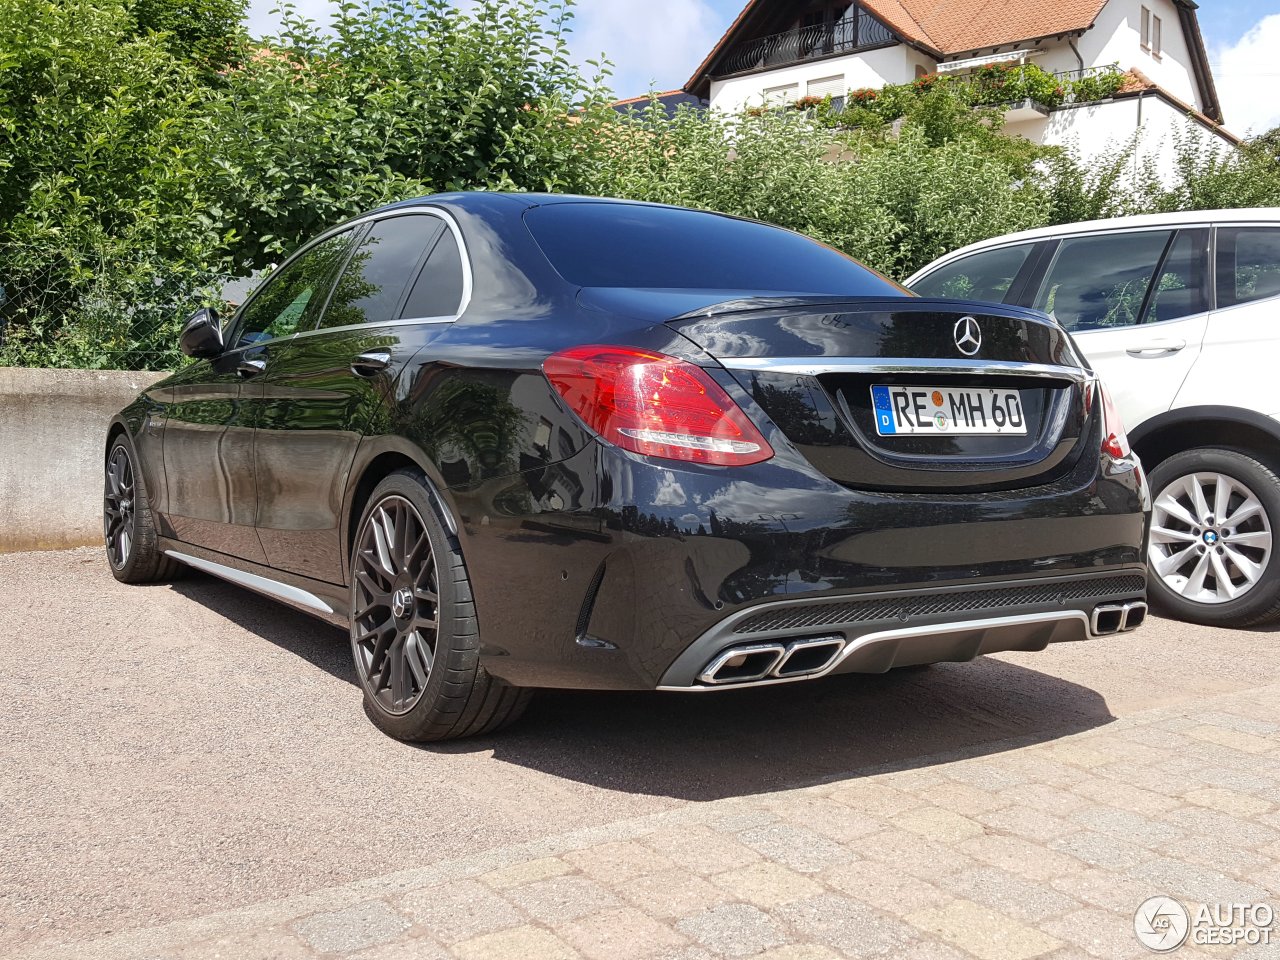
(629, 245)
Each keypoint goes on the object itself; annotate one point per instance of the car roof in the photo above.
(483, 197)
(1187, 218)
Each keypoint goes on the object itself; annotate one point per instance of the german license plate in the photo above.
(903, 409)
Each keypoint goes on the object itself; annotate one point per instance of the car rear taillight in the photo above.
(655, 405)
(1115, 441)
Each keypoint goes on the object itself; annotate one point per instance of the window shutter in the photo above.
(827, 87)
(781, 96)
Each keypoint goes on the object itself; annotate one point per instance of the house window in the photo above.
(1150, 33)
(826, 87)
(781, 96)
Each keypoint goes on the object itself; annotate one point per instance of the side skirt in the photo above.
(325, 601)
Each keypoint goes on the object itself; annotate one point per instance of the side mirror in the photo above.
(202, 335)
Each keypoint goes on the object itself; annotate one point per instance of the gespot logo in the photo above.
(1161, 924)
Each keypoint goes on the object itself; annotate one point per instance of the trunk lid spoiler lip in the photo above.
(682, 305)
(878, 304)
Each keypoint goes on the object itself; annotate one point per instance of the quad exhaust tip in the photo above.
(1112, 618)
(756, 661)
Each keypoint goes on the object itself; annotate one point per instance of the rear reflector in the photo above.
(655, 405)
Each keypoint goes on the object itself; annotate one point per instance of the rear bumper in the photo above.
(802, 640)
(607, 571)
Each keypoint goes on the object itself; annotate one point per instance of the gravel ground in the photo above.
(171, 751)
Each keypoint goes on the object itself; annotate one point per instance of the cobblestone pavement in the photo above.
(185, 773)
(1045, 850)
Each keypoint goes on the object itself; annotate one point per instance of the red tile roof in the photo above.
(959, 26)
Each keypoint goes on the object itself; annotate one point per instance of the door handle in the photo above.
(1156, 348)
(251, 368)
(370, 364)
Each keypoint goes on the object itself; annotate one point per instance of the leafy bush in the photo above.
(392, 100)
(102, 212)
(146, 153)
(133, 178)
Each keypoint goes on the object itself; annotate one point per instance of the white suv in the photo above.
(1180, 316)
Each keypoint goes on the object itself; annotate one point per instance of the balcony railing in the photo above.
(795, 46)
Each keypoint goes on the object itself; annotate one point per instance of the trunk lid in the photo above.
(978, 396)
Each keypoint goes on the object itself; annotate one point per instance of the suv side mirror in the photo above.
(202, 335)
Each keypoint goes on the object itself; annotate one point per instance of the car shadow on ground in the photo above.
(706, 746)
(314, 641)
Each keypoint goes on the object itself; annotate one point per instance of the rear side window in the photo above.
(376, 277)
(292, 298)
(1100, 283)
(1180, 289)
(1248, 264)
(630, 245)
(437, 292)
(980, 276)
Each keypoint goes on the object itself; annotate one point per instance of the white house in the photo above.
(778, 51)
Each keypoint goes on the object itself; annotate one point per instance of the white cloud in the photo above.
(654, 43)
(1247, 75)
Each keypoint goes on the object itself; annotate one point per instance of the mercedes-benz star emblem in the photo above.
(401, 602)
(968, 336)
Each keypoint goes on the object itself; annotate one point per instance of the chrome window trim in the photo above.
(815, 366)
(348, 327)
(468, 282)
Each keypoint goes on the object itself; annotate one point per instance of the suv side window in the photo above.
(1248, 264)
(374, 281)
(1180, 289)
(438, 290)
(987, 275)
(291, 299)
(1101, 282)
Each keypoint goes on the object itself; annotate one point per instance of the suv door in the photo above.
(1137, 304)
(1242, 346)
(324, 390)
(208, 436)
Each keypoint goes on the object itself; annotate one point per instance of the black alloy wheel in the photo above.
(415, 636)
(396, 607)
(118, 515)
(128, 527)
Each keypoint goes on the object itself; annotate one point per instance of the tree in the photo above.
(101, 213)
(392, 100)
(202, 31)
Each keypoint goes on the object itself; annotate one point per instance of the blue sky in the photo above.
(659, 43)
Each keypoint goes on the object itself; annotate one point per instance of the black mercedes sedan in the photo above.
(520, 441)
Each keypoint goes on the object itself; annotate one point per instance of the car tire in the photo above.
(1187, 582)
(128, 524)
(414, 631)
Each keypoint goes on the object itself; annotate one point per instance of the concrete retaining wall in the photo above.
(53, 426)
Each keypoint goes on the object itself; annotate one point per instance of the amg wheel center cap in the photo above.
(401, 602)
